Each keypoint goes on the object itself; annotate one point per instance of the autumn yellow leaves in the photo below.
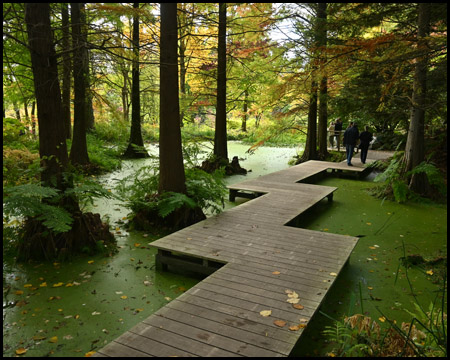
(293, 299)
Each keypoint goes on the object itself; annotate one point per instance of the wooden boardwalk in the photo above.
(252, 258)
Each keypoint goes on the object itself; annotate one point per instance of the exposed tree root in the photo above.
(88, 235)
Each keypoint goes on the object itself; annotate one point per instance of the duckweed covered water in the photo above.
(69, 309)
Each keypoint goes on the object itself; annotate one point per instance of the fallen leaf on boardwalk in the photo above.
(294, 328)
(276, 273)
(303, 320)
(21, 351)
(90, 353)
(287, 291)
(293, 300)
(301, 326)
(293, 295)
(280, 323)
(333, 274)
(298, 306)
(53, 339)
(430, 272)
(265, 313)
(58, 284)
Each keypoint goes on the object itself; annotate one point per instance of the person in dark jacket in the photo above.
(337, 131)
(365, 137)
(351, 135)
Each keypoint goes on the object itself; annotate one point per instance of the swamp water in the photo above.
(69, 309)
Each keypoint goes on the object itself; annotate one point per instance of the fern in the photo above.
(171, 201)
(433, 174)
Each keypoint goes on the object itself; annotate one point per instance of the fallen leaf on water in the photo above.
(21, 351)
(294, 328)
(265, 313)
(38, 338)
(19, 292)
(53, 339)
(77, 317)
(370, 287)
(382, 318)
(139, 310)
(369, 223)
(372, 247)
(69, 284)
(276, 273)
(430, 272)
(28, 285)
(68, 337)
(147, 283)
(58, 284)
(298, 306)
(44, 284)
(137, 244)
(124, 297)
(119, 292)
(94, 313)
(90, 261)
(90, 353)
(167, 298)
(280, 323)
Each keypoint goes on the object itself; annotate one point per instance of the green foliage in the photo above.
(27, 201)
(433, 174)
(204, 190)
(44, 203)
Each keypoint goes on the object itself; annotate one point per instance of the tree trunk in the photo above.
(52, 141)
(323, 89)
(171, 172)
(310, 152)
(244, 110)
(78, 152)
(66, 70)
(415, 145)
(136, 144)
(220, 135)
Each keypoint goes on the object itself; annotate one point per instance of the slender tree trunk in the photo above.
(171, 172)
(136, 144)
(323, 89)
(415, 145)
(310, 152)
(78, 152)
(244, 110)
(66, 70)
(220, 136)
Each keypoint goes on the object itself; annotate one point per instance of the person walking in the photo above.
(337, 132)
(365, 138)
(331, 134)
(351, 135)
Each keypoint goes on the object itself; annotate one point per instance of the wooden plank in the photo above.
(115, 349)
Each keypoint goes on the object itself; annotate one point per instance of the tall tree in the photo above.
(66, 69)
(415, 145)
(323, 86)
(78, 152)
(52, 141)
(220, 135)
(171, 168)
(135, 147)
